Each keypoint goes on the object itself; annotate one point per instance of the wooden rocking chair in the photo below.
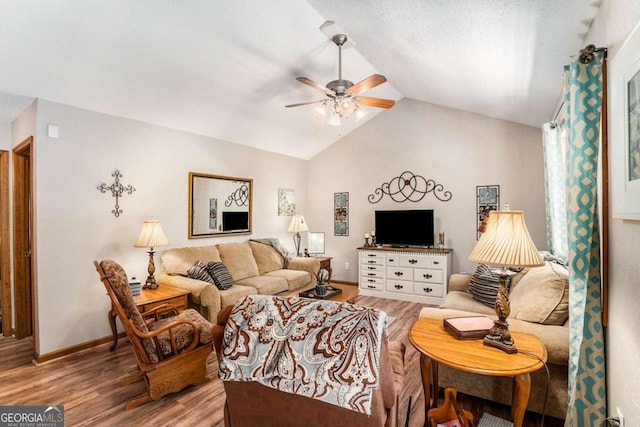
(171, 347)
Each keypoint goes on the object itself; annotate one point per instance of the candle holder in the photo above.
(366, 242)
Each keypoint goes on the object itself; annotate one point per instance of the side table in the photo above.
(150, 299)
(325, 262)
(436, 346)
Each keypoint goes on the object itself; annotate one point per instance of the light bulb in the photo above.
(320, 111)
(346, 107)
(360, 114)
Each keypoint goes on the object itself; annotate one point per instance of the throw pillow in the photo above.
(199, 272)
(542, 295)
(220, 275)
(484, 285)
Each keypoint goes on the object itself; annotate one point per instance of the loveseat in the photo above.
(539, 306)
(255, 268)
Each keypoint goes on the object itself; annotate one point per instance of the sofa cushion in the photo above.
(265, 285)
(220, 275)
(296, 279)
(239, 260)
(542, 295)
(234, 293)
(179, 260)
(199, 271)
(267, 258)
(458, 300)
(484, 285)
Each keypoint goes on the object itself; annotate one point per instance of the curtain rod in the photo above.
(586, 56)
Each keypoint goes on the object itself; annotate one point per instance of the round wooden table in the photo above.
(436, 346)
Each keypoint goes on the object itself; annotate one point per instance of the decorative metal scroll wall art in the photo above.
(117, 190)
(409, 186)
(341, 214)
(240, 197)
(487, 200)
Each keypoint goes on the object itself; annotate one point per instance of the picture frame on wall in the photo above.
(341, 214)
(487, 200)
(624, 118)
(316, 243)
(286, 202)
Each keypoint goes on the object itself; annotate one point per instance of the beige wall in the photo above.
(613, 24)
(74, 224)
(456, 149)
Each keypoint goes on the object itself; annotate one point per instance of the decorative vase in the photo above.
(321, 289)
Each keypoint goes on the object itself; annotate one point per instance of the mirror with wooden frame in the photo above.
(219, 205)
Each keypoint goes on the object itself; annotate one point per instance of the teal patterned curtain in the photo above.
(554, 149)
(587, 387)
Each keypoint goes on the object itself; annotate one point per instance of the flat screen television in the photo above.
(235, 221)
(404, 227)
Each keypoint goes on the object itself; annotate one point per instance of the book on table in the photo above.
(469, 327)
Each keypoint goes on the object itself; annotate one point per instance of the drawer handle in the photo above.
(371, 274)
(398, 273)
(371, 281)
(371, 254)
(371, 268)
(398, 286)
(436, 262)
(371, 261)
(392, 260)
(413, 261)
(427, 290)
(427, 276)
(371, 287)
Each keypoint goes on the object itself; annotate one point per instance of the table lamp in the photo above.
(297, 225)
(505, 243)
(151, 236)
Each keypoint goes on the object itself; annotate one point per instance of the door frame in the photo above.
(24, 297)
(5, 246)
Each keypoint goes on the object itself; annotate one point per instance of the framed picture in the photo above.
(286, 202)
(625, 128)
(341, 214)
(487, 200)
(316, 242)
(213, 214)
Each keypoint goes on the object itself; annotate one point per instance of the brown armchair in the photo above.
(251, 403)
(171, 347)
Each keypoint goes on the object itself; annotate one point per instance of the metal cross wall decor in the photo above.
(117, 190)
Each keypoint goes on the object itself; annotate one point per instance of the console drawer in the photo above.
(399, 286)
(413, 261)
(399, 273)
(392, 259)
(372, 271)
(429, 289)
(428, 275)
(372, 283)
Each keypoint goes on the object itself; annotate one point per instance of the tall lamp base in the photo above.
(499, 335)
(151, 269)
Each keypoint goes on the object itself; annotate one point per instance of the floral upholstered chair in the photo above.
(171, 347)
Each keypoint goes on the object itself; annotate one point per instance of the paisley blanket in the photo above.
(319, 349)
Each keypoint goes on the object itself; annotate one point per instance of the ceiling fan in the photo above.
(343, 97)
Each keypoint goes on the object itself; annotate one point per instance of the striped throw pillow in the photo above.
(199, 272)
(484, 285)
(220, 275)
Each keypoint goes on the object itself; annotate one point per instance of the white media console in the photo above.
(408, 274)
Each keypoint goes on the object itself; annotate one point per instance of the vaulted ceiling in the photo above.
(226, 69)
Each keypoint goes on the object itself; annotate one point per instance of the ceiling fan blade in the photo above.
(368, 83)
(303, 103)
(376, 102)
(315, 85)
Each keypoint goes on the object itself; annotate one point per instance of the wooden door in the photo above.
(22, 238)
(5, 261)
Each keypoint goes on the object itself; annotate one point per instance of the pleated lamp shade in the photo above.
(297, 224)
(151, 235)
(506, 242)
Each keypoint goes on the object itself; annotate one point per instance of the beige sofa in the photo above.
(256, 268)
(539, 306)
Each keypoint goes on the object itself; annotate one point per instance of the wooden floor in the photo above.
(86, 383)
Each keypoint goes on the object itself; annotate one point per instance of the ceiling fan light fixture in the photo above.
(321, 111)
(360, 113)
(346, 106)
(334, 119)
